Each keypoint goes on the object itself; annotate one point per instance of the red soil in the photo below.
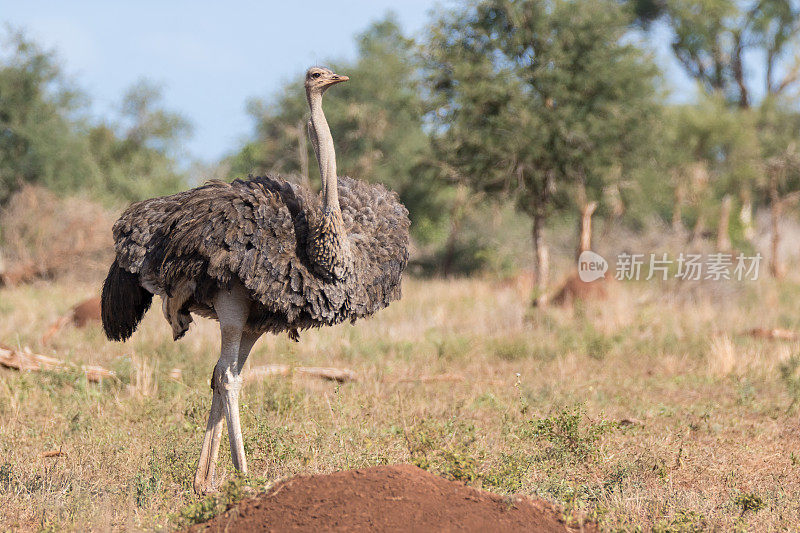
(82, 315)
(386, 498)
(86, 312)
(574, 289)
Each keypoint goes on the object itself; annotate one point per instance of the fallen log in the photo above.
(26, 361)
(53, 453)
(437, 378)
(774, 333)
(96, 373)
(340, 375)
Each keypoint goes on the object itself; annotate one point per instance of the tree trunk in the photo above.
(585, 228)
(775, 266)
(542, 255)
(699, 229)
(723, 233)
(450, 247)
(738, 73)
(746, 216)
(457, 213)
(677, 212)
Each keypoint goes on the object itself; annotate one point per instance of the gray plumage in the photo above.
(261, 230)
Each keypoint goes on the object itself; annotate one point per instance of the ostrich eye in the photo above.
(316, 75)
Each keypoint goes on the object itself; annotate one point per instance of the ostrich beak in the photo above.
(337, 78)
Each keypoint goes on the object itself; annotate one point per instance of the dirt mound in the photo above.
(82, 314)
(573, 288)
(385, 498)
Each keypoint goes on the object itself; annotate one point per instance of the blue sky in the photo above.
(210, 57)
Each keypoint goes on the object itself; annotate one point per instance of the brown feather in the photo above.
(261, 231)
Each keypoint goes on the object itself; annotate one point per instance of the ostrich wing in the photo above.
(256, 230)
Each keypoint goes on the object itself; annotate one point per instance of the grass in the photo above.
(648, 411)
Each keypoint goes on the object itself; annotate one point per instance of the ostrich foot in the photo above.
(212, 487)
(206, 466)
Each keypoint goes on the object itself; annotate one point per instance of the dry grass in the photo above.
(47, 236)
(648, 410)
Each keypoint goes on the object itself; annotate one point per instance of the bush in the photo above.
(45, 236)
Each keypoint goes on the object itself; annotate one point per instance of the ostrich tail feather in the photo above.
(123, 304)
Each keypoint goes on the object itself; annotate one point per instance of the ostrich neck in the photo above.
(328, 249)
(326, 154)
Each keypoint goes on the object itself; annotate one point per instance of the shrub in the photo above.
(45, 236)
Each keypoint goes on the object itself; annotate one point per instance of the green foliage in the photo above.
(147, 484)
(512, 349)
(38, 139)
(201, 511)
(715, 39)
(137, 157)
(778, 125)
(446, 449)
(734, 144)
(540, 100)
(46, 139)
(713, 149)
(749, 502)
(207, 508)
(449, 450)
(721, 137)
(790, 375)
(567, 436)
(458, 466)
(377, 124)
(509, 474)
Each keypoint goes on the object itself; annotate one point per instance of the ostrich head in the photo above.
(318, 79)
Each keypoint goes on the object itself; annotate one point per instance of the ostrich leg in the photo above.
(204, 477)
(232, 308)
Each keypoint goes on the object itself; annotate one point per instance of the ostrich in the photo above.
(260, 255)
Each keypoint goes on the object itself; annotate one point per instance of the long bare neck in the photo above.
(326, 154)
(328, 249)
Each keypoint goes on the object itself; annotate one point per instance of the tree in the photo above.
(47, 139)
(715, 39)
(377, 123)
(137, 156)
(540, 100)
(712, 150)
(38, 139)
(746, 57)
(779, 131)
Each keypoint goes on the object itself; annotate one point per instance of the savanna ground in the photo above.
(651, 410)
